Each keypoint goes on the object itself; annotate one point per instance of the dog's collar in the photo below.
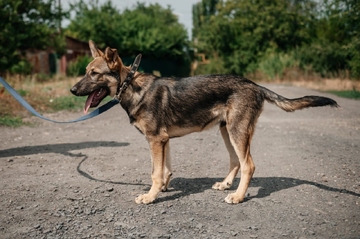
(122, 86)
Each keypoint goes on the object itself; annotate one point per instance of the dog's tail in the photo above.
(290, 105)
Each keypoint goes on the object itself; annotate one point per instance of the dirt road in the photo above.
(80, 180)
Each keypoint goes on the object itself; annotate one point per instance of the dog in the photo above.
(162, 108)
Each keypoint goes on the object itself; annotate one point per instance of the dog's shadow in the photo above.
(63, 148)
(182, 187)
(267, 185)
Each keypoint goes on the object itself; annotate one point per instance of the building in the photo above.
(48, 62)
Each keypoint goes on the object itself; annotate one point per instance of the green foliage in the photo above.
(26, 25)
(274, 64)
(335, 43)
(151, 30)
(319, 35)
(78, 67)
(351, 94)
(22, 92)
(21, 67)
(67, 103)
(241, 31)
(47, 105)
(10, 121)
(325, 59)
(201, 14)
(354, 63)
(216, 66)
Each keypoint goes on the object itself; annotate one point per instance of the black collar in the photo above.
(122, 86)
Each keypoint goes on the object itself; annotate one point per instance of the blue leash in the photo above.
(23, 102)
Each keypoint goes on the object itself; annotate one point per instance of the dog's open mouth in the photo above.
(95, 98)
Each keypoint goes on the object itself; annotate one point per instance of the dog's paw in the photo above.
(233, 198)
(221, 186)
(164, 188)
(145, 199)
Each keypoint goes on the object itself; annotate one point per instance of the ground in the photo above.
(80, 180)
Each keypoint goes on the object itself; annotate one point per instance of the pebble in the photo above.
(47, 231)
(311, 233)
(199, 226)
(37, 226)
(258, 201)
(118, 225)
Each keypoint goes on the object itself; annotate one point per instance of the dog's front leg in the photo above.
(167, 169)
(158, 154)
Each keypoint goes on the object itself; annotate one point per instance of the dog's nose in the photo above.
(73, 90)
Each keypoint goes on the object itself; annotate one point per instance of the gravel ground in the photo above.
(80, 180)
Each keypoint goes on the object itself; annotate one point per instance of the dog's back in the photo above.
(199, 102)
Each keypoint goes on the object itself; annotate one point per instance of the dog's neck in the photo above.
(122, 85)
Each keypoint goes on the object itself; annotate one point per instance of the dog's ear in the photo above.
(95, 52)
(112, 58)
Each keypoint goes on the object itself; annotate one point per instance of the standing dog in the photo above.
(162, 108)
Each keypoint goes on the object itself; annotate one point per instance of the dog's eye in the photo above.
(94, 73)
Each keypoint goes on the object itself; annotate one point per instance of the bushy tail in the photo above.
(290, 105)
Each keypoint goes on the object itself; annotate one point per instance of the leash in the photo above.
(27, 106)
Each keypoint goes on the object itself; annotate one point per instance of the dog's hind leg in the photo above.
(240, 134)
(157, 147)
(167, 168)
(234, 162)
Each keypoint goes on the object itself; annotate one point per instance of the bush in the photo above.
(354, 63)
(326, 59)
(273, 65)
(213, 66)
(10, 121)
(22, 67)
(78, 66)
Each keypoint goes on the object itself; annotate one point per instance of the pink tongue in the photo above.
(88, 102)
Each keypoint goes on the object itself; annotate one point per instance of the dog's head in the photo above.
(102, 77)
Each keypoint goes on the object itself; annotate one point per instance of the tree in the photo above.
(99, 23)
(150, 29)
(244, 36)
(335, 44)
(201, 14)
(241, 32)
(31, 24)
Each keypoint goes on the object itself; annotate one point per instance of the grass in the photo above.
(12, 116)
(11, 121)
(45, 97)
(350, 94)
(67, 103)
